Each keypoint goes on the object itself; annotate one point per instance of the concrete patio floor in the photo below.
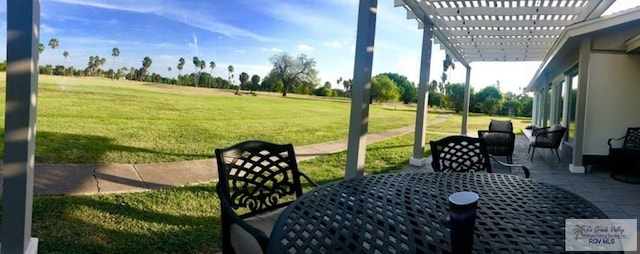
(617, 199)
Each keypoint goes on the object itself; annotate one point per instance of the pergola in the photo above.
(469, 30)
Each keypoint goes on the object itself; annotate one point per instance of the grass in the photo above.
(94, 120)
(177, 220)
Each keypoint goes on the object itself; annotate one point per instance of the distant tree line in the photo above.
(299, 75)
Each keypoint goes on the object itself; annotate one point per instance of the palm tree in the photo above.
(181, 62)
(115, 52)
(202, 65)
(65, 54)
(146, 63)
(230, 69)
(53, 43)
(255, 82)
(41, 48)
(196, 63)
(212, 65)
(244, 78)
(169, 69)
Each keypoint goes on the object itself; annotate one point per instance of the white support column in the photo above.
(576, 165)
(359, 119)
(534, 108)
(423, 97)
(567, 101)
(553, 116)
(467, 97)
(23, 23)
(543, 104)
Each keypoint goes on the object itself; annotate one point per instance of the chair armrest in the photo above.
(525, 169)
(261, 237)
(612, 139)
(308, 179)
(536, 131)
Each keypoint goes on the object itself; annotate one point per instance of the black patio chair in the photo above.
(466, 154)
(547, 137)
(500, 139)
(257, 180)
(626, 158)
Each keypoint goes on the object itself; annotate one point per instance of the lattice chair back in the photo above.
(460, 154)
(632, 139)
(257, 176)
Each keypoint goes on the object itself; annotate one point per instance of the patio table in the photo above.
(403, 213)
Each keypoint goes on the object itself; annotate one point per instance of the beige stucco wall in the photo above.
(613, 99)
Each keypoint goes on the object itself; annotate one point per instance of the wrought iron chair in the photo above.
(547, 137)
(626, 157)
(257, 180)
(500, 139)
(466, 154)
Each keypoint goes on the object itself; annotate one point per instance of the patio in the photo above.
(617, 199)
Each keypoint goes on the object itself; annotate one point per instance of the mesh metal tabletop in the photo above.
(403, 213)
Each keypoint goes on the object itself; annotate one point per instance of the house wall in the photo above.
(613, 99)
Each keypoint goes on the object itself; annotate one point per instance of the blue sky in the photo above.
(245, 34)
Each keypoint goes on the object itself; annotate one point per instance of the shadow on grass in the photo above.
(56, 147)
(180, 220)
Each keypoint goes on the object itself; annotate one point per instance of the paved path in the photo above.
(87, 179)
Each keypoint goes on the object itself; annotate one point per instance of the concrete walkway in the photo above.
(87, 179)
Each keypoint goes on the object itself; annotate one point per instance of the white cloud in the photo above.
(337, 44)
(194, 45)
(47, 29)
(272, 49)
(305, 47)
(173, 11)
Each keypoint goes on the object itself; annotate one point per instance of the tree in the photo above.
(94, 65)
(53, 43)
(291, 71)
(230, 69)
(169, 69)
(212, 65)
(384, 89)
(201, 65)
(196, 64)
(146, 64)
(65, 54)
(347, 87)
(433, 86)
(490, 99)
(41, 48)
(255, 82)
(244, 78)
(455, 94)
(272, 83)
(180, 65)
(115, 52)
(408, 91)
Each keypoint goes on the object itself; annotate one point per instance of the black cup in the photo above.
(462, 219)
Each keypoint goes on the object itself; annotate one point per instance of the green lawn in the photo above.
(177, 220)
(97, 120)
(94, 120)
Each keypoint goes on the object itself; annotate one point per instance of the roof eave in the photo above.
(578, 30)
